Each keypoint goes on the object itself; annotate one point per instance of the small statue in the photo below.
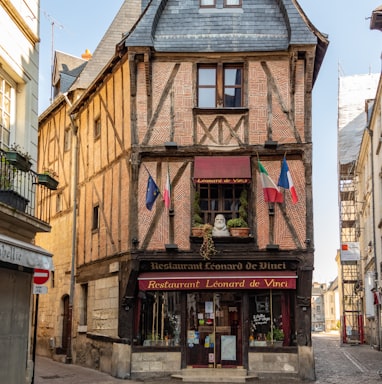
(220, 228)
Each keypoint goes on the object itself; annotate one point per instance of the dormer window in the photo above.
(216, 3)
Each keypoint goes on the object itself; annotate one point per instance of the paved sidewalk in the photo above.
(335, 364)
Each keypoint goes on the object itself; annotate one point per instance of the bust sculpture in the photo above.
(220, 228)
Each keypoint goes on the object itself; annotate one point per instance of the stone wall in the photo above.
(155, 364)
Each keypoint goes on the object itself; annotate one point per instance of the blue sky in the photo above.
(73, 26)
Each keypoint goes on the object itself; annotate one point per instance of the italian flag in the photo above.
(167, 191)
(270, 189)
(286, 182)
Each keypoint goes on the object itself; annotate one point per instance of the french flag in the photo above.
(286, 182)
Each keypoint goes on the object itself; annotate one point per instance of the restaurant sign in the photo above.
(152, 281)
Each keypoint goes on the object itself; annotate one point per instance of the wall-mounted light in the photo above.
(171, 145)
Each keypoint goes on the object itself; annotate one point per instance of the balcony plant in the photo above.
(8, 193)
(197, 221)
(19, 159)
(48, 178)
(238, 226)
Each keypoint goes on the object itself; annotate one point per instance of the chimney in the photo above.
(86, 55)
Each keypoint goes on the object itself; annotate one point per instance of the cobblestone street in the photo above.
(335, 364)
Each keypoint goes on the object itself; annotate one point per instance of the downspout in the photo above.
(72, 117)
(377, 323)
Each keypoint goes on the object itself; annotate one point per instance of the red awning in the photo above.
(218, 169)
(156, 281)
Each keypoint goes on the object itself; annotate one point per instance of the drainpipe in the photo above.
(68, 359)
(378, 310)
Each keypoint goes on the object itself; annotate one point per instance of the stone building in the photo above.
(189, 121)
(23, 211)
(318, 306)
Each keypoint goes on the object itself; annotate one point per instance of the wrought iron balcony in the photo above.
(24, 190)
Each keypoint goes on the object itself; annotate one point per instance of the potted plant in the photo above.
(19, 159)
(276, 336)
(8, 194)
(197, 221)
(238, 226)
(48, 178)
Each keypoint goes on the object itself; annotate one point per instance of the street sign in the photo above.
(41, 276)
(39, 289)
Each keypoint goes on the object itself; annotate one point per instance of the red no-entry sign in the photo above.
(41, 276)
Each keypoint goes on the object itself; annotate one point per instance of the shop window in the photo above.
(220, 86)
(159, 319)
(219, 199)
(271, 318)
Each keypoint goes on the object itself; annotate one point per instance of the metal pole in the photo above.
(35, 337)
(68, 359)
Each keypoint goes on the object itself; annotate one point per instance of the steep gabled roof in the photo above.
(121, 24)
(257, 26)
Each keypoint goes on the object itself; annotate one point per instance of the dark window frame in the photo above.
(221, 85)
(95, 218)
(227, 5)
(215, 199)
(207, 5)
(67, 139)
(97, 127)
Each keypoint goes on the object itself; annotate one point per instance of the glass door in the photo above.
(214, 332)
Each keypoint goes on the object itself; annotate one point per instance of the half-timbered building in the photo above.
(202, 111)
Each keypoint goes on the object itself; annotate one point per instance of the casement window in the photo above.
(232, 3)
(208, 3)
(58, 202)
(6, 95)
(97, 128)
(95, 221)
(83, 306)
(226, 3)
(67, 139)
(220, 86)
(219, 199)
(222, 183)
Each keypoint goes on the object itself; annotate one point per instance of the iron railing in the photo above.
(22, 190)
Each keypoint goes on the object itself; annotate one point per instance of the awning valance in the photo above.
(25, 254)
(222, 169)
(155, 281)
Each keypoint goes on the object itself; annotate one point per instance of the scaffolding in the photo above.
(351, 319)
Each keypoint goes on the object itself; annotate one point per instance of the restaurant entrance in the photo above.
(214, 329)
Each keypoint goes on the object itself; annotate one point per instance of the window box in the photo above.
(18, 160)
(47, 180)
(239, 232)
(14, 200)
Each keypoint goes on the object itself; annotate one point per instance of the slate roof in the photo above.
(353, 91)
(66, 69)
(123, 21)
(182, 26)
